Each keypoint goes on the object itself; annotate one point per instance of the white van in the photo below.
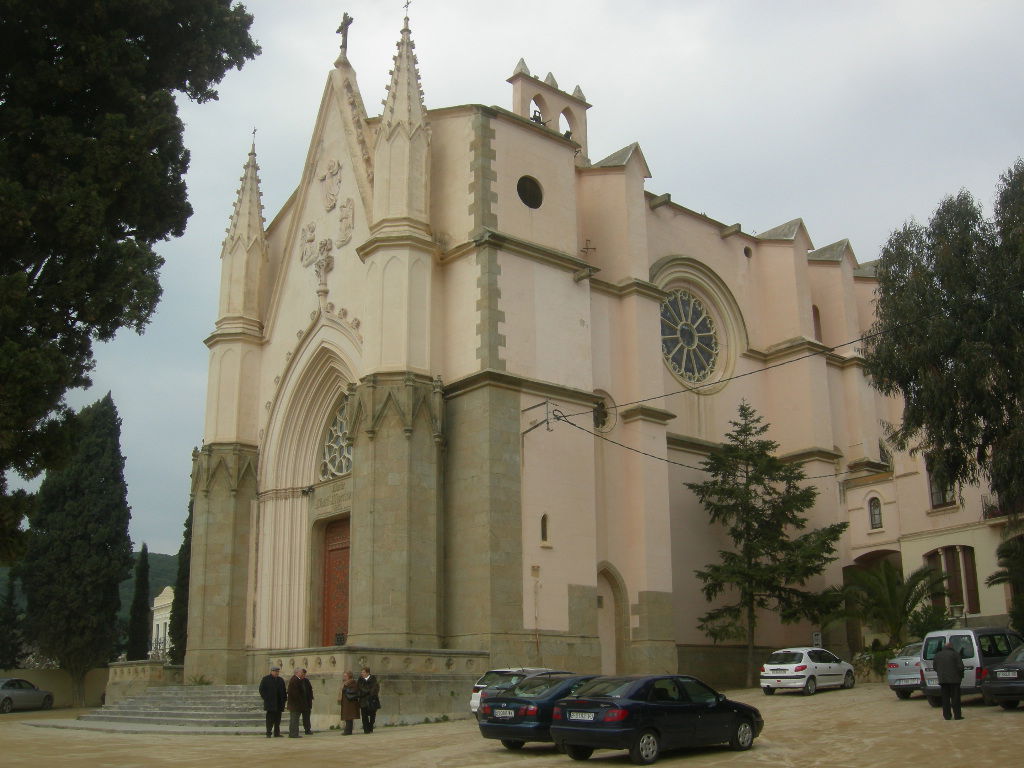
(979, 648)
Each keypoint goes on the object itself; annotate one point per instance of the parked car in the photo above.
(805, 669)
(1004, 683)
(903, 671)
(648, 714)
(980, 648)
(16, 693)
(522, 713)
(500, 677)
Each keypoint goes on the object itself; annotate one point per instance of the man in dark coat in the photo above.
(273, 694)
(949, 667)
(369, 699)
(296, 704)
(308, 688)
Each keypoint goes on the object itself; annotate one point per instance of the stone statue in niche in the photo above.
(348, 221)
(309, 252)
(330, 185)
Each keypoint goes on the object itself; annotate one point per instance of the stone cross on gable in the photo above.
(346, 22)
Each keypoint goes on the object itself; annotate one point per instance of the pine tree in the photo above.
(78, 551)
(178, 629)
(11, 649)
(137, 648)
(759, 500)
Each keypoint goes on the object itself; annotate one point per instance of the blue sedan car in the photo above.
(648, 714)
(522, 713)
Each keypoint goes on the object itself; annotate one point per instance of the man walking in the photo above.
(369, 699)
(273, 694)
(949, 666)
(296, 703)
(307, 686)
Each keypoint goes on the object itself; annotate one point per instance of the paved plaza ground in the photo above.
(867, 727)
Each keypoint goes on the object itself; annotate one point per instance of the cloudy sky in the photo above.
(854, 116)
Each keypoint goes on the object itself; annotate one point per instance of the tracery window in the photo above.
(337, 452)
(689, 339)
(875, 512)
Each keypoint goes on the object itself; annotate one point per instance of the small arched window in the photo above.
(875, 513)
(816, 315)
(544, 528)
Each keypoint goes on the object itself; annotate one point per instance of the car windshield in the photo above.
(914, 649)
(786, 657)
(612, 687)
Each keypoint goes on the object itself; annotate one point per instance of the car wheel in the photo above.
(768, 691)
(576, 752)
(47, 702)
(810, 686)
(742, 735)
(849, 681)
(645, 749)
(935, 701)
(512, 744)
(902, 694)
(1009, 703)
(6, 706)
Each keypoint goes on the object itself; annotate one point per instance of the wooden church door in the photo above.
(336, 560)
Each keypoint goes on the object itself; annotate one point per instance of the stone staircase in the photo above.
(232, 707)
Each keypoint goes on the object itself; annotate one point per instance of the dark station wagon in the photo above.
(648, 714)
(522, 713)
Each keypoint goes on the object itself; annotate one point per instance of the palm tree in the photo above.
(881, 596)
(1010, 558)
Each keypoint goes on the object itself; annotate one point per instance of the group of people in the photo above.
(358, 697)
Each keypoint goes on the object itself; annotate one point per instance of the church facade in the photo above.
(457, 385)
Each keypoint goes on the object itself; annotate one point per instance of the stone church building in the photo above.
(427, 374)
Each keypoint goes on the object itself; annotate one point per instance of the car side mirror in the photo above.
(720, 698)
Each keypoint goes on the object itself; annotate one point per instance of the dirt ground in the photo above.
(866, 727)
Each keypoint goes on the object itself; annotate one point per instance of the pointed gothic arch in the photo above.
(613, 619)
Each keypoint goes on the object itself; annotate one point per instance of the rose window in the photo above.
(689, 340)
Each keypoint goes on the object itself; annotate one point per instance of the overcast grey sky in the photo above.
(854, 116)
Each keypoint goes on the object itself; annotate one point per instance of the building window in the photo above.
(336, 459)
(875, 513)
(816, 316)
(689, 339)
(530, 192)
(544, 528)
(941, 494)
(957, 563)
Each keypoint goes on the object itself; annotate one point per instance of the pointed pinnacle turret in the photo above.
(404, 103)
(247, 221)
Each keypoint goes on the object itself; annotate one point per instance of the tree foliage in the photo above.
(949, 339)
(760, 501)
(137, 647)
(1010, 559)
(178, 629)
(79, 552)
(881, 596)
(92, 171)
(12, 649)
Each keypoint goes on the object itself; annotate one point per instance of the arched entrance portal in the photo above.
(336, 561)
(611, 621)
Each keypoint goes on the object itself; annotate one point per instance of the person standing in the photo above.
(307, 686)
(296, 703)
(949, 667)
(369, 699)
(273, 694)
(348, 697)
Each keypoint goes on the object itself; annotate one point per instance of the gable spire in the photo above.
(247, 221)
(404, 103)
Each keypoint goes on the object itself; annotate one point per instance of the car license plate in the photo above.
(504, 713)
(779, 671)
(581, 715)
(1010, 674)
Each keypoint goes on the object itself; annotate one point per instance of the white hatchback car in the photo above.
(806, 669)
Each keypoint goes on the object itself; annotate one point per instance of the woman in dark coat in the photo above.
(348, 697)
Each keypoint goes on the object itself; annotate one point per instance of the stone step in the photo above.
(172, 706)
(187, 720)
(188, 706)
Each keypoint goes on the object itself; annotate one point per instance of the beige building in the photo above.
(159, 643)
(385, 477)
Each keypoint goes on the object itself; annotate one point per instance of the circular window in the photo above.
(530, 192)
(689, 340)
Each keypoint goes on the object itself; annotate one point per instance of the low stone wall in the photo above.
(416, 685)
(130, 678)
(58, 682)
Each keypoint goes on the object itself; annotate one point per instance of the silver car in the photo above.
(16, 693)
(903, 671)
(806, 670)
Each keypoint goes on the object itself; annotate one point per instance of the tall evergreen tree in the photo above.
(178, 629)
(137, 648)
(759, 500)
(78, 551)
(12, 650)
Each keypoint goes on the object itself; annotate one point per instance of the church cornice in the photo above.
(802, 345)
(633, 287)
(492, 378)
(407, 234)
(484, 238)
(689, 444)
(646, 413)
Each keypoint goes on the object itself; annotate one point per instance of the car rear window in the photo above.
(613, 687)
(914, 649)
(1017, 655)
(785, 657)
(533, 687)
(961, 643)
(994, 645)
(494, 677)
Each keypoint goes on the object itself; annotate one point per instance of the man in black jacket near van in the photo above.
(950, 669)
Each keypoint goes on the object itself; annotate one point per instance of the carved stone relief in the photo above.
(330, 185)
(347, 219)
(308, 241)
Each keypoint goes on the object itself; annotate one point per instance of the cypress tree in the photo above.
(178, 629)
(137, 648)
(79, 551)
(11, 649)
